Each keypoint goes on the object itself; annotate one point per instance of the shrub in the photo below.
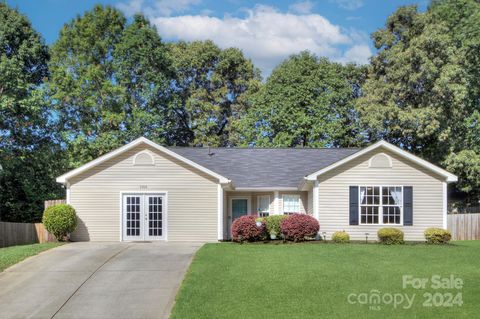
(60, 220)
(341, 237)
(437, 235)
(298, 227)
(390, 236)
(273, 224)
(245, 228)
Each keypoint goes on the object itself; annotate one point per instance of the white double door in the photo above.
(143, 216)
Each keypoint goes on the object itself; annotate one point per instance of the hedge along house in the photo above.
(144, 191)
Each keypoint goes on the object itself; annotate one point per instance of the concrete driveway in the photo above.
(96, 280)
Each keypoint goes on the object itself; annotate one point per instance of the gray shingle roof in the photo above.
(264, 167)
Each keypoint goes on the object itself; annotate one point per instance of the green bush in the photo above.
(341, 237)
(273, 224)
(390, 236)
(437, 236)
(60, 220)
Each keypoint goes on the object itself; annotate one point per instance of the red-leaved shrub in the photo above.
(245, 228)
(298, 227)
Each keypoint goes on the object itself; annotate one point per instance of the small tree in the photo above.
(60, 220)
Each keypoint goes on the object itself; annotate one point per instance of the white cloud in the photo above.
(130, 8)
(268, 36)
(302, 7)
(159, 7)
(359, 53)
(349, 4)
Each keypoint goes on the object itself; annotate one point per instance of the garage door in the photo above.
(143, 217)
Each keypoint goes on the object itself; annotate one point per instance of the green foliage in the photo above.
(60, 220)
(110, 83)
(341, 237)
(423, 86)
(273, 224)
(437, 236)
(466, 165)
(27, 151)
(306, 101)
(212, 86)
(390, 236)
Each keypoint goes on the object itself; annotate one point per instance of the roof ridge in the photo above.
(267, 148)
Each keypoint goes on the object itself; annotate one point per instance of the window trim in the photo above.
(283, 204)
(258, 205)
(380, 206)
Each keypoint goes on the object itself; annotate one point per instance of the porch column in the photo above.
(315, 200)
(67, 190)
(445, 204)
(220, 211)
(276, 203)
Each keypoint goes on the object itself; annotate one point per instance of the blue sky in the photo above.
(266, 31)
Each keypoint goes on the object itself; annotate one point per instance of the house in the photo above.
(144, 191)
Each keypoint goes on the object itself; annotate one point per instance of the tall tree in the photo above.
(422, 87)
(211, 89)
(144, 72)
(26, 149)
(109, 83)
(82, 83)
(306, 101)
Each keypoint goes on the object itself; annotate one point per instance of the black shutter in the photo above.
(407, 206)
(353, 205)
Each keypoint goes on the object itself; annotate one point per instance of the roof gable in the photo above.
(449, 177)
(65, 177)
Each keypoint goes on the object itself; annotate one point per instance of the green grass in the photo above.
(14, 254)
(314, 280)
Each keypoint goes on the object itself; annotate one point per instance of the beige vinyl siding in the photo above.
(192, 197)
(334, 195)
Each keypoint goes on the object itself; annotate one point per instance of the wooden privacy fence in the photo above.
(464, 226)
(49, 203)
(23, 233)
(26, 233)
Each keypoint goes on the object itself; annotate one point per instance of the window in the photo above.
(143, 158)
(263, 205)
(381, 204)
(291, 204)
(380, 161)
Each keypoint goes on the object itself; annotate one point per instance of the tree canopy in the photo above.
(422, 89)
(306, 101)
(27, 171)
(108, 80)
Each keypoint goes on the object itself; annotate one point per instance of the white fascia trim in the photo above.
(449, 177)
(63, 178)
(265, 189)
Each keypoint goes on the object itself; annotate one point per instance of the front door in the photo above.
(239, 207)
(143, 216)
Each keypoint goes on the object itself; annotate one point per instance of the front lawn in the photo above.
(317, 281)
(15, 254)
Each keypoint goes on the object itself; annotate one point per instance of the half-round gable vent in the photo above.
(380, 161)
(143, 159)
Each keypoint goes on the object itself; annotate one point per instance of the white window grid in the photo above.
(379, 208)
